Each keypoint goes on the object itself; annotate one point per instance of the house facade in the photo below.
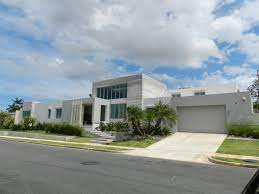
(203, 109)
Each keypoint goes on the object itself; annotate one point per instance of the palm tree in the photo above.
(149, 118)
(134, 116)
(163, 112)
(16, 105)
(18, 101)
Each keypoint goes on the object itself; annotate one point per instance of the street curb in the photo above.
(63, 146)
(216, 161)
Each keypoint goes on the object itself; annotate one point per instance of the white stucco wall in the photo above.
(210, 89)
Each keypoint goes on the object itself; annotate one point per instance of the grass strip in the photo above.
(239, 147)
(69, 145)
(141, 143)
(235, 160)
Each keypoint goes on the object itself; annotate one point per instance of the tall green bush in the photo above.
(64, 129)
(8, 122)
(244, 130)
(29, 123)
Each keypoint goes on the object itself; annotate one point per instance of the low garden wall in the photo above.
(34, 135)
(119, 136)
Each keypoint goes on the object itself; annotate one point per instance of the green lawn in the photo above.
(81, 139)
(5, 129)
(236, 160)
(239, 147)
(143, 143)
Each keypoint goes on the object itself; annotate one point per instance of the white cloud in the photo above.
(227, 29)
(179, 33)
(249, 45)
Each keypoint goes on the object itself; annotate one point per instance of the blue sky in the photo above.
(52, 52)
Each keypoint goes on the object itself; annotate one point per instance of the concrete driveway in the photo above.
(192, 147)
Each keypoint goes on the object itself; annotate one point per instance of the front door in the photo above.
(87, 115)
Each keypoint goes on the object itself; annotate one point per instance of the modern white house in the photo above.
(203, 109)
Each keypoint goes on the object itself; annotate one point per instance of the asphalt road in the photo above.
(29, 168)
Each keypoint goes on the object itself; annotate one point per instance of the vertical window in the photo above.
(26, 114)
(103, 110)
(118, 111)
(58, 113)
(117, 91)
(101, 94)
(109, 92)
(125, 91)
(98, 92)
(113, 92)
(49, 113)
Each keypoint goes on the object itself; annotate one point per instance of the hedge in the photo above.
(244, 130)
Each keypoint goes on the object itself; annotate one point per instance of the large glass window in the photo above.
(112, 92)
(118, 111)
(26, 114)
(58, 113)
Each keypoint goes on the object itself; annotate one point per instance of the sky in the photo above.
(55, 49)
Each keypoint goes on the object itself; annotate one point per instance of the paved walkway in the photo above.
(192, 147)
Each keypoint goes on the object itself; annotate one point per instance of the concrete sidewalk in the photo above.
(192, 147)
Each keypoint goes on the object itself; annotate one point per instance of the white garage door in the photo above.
(202, 119)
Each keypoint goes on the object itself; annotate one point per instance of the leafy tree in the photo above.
(16, 105)
(254, 90)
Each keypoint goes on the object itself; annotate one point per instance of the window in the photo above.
(49, 113)
(112, 92)
(199, 93)
(26, 114)
(118, 111)
(176, 95)
(58, 113)
(103, 108)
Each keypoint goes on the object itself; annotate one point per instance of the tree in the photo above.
(254, 90)
(135, 116)
(16, 105)
(163, 112)
(149, 121)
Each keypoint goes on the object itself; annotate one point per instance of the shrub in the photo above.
(2, 117)
(64, 129)
(29, 123)
(115, 126)
(164, 131)
(8, 122)
(18, 127)
(244, 130)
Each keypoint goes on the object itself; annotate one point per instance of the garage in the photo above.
(202, 119)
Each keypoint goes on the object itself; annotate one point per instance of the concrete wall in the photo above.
(152, 88)
(238, 105)
(96, 114)
(39, 111)
(211, 89)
